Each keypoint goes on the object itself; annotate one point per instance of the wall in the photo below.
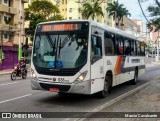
(11, 57)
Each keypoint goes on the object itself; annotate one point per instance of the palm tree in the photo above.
(114, 10)
(117, 11)
(123, 12)
(91, 10)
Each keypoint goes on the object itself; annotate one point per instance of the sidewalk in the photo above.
(152, 64)
(143, 101)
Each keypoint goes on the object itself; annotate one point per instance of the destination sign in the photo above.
(62, 27)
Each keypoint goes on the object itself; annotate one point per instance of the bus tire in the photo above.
(107, 86)
(135, 80)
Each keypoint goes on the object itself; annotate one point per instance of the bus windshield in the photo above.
(60, 49)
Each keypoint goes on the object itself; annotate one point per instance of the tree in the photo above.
(91, 10)
(40, 11)
(154, 10)
(117, 11)
(123, 12)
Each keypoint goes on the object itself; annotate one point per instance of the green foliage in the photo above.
(154, 24)
(40, 11)
(118, 11)
(114, 9)
(91, 10)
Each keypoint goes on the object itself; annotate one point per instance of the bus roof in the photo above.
(103, 26)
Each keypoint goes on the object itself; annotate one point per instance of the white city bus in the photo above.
(84, 57)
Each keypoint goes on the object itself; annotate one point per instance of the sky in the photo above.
(134, 8)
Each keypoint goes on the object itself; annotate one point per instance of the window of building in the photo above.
(62, 1)
(109, 43)
(5, 19)
(66, 1)
(5, 36)
(70, 18)
(6, 1)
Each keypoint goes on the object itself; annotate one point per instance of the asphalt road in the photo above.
(17, 96)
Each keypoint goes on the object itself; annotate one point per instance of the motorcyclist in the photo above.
(21, 65)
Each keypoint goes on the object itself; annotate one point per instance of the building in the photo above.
(140, 23)
(130, 27)
(10, 23)
(10, 20)
(70, 10)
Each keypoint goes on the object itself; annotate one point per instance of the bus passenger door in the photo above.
(97, 81)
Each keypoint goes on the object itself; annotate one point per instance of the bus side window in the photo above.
(120, 41)
(96, 46)
(96, 50)
(142, 49)
(127, 50)
(138, 48)
(109, 43)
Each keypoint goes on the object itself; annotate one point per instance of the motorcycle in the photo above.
(18, 73)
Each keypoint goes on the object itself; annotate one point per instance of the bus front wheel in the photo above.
(135, 80)
(107, 86)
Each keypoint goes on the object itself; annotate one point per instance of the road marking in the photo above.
(15, 98)
(7, 84)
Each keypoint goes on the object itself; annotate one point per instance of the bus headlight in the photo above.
(33, 75)
(81, 77)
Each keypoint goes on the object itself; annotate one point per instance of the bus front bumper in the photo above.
(80, 88)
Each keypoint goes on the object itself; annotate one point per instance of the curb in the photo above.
(113, 101)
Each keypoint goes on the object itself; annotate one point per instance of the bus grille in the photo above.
(60, 72)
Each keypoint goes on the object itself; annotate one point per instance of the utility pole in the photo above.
(20, 30)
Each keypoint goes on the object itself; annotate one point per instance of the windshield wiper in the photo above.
(65, 40)
(52, 44)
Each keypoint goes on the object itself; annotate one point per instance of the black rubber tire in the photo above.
(13, 76)
(135, 80)
(107, 86)
(24, 76)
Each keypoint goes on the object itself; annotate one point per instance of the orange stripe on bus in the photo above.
(118, 65)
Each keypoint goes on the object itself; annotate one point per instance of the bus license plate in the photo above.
(54, 90)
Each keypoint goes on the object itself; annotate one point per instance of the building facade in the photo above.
(130, 26)
(11, 24)
(70, 10)
(10, 20)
